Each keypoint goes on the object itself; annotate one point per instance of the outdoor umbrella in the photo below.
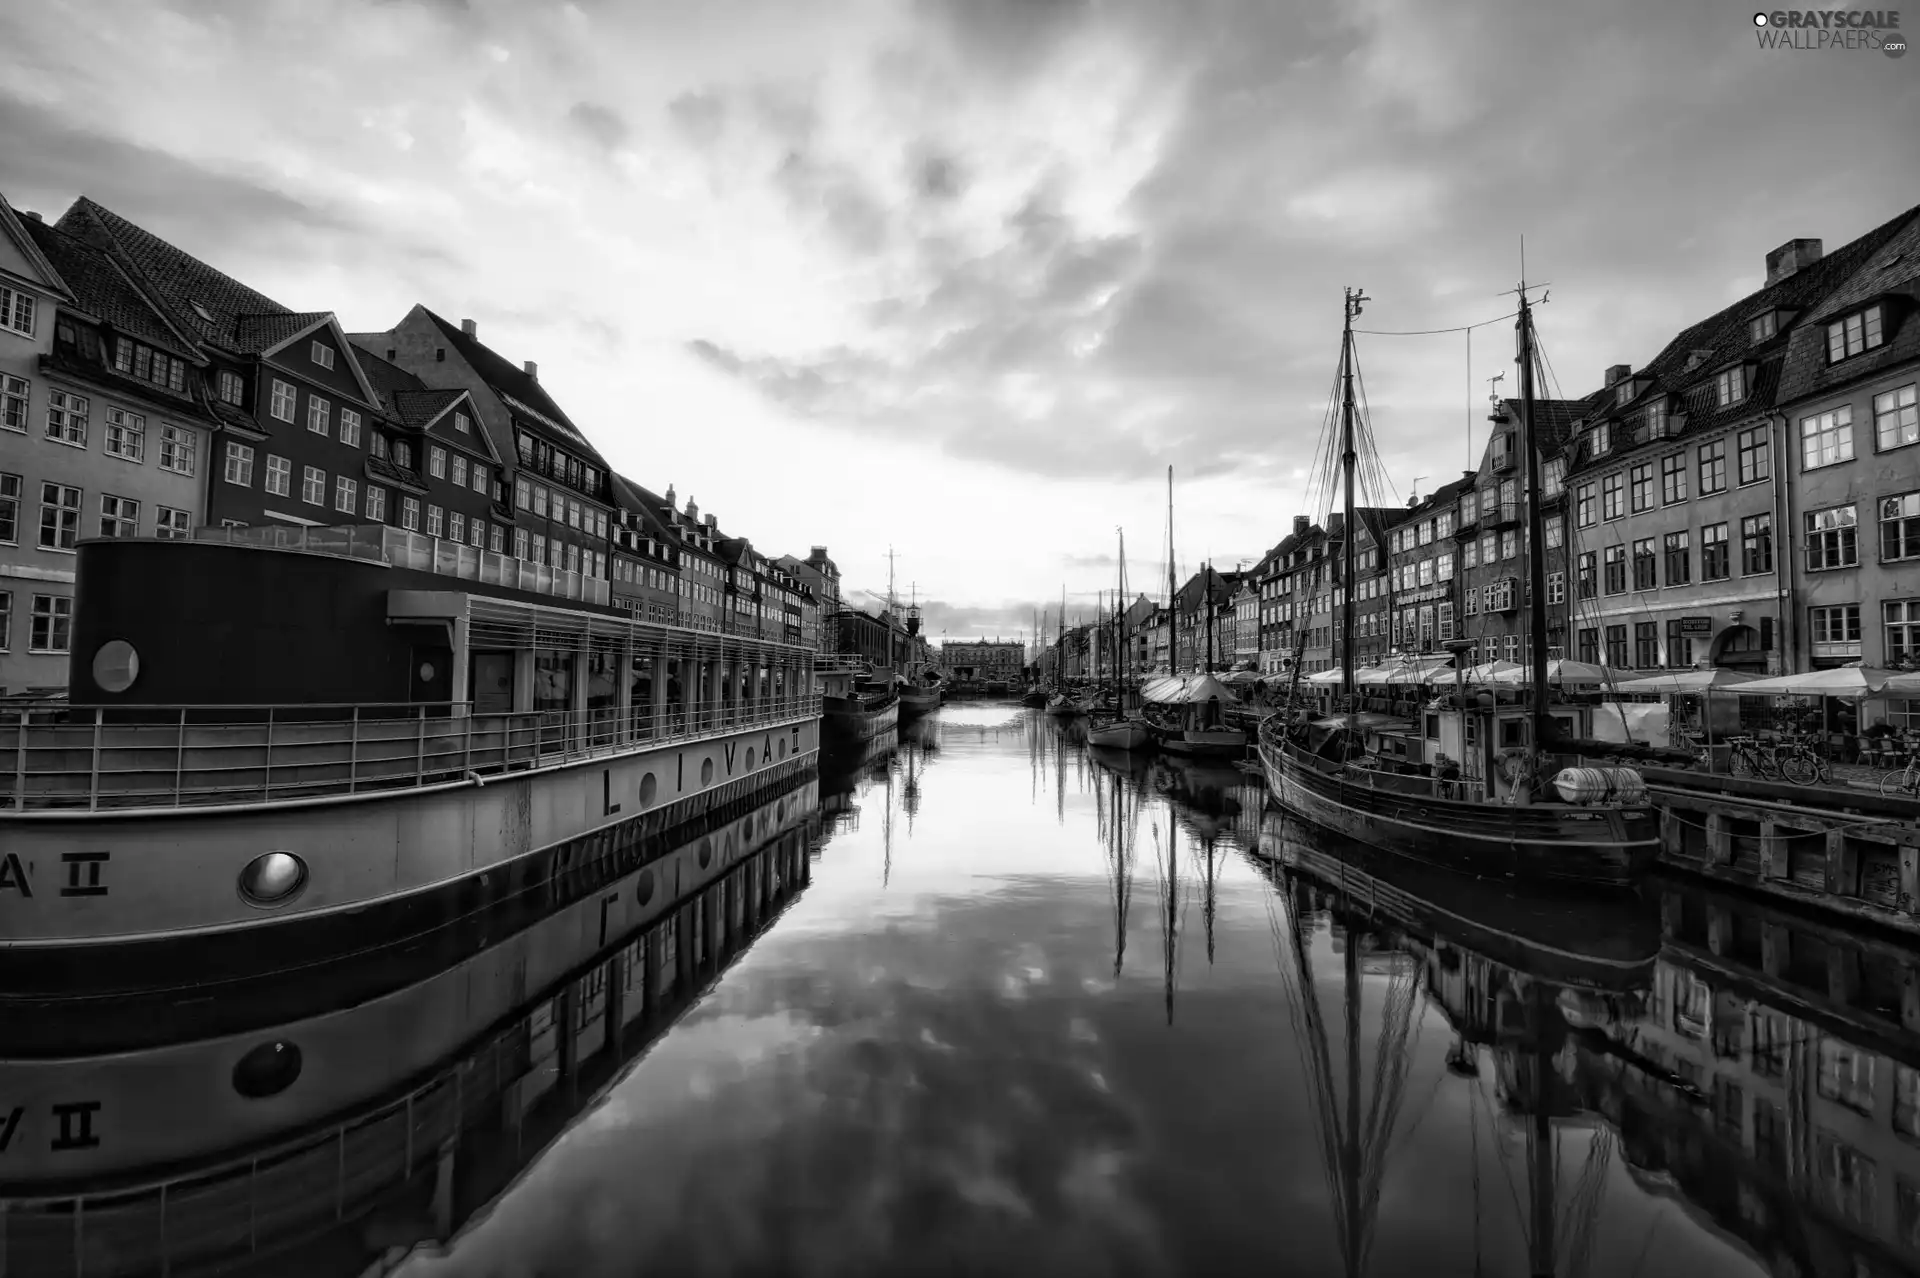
(1849, 682)
(1558, 671)
(1700, 681)
(1325, 676)
(1481, 674)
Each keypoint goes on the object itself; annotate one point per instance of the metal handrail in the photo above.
(85, 759)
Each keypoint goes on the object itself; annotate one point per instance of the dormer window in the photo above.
(232, 388)
(1654, 420)
(1623, 394)
(1600, 440)
(1856, 333)
(149, 365)
(1761, 327)
(323, 354)
(1730, 387)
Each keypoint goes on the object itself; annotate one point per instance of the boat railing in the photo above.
(62, 759)
(401, 548)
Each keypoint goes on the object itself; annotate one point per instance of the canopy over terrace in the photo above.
(1187, 690)
(1560, 671)
(1849, 682)
(1407, 669)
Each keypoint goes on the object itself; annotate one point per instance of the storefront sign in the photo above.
(1696, 625)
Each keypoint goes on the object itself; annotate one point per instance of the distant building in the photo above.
(983, 660)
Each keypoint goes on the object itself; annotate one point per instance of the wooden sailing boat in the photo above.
(1062, 703)
(921, 692)
(1118, 729)
(1512, 825)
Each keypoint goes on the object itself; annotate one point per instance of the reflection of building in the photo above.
(982, 660)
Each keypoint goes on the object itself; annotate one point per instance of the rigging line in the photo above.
(1429, 332)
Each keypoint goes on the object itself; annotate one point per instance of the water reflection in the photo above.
(938, 1058)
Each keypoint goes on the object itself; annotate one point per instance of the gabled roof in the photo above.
(264, 334)
(1553, 419)
(646, 505)
(97, 286)
(422, 408)
(512, 383)
(15, 229)
(205, 302)
(1893, 267)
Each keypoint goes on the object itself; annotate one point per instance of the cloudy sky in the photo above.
(966, 276)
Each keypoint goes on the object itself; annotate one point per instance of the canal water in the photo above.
(1001, 1004)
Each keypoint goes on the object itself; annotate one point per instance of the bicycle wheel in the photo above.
(1742, 763)
(1895, 785)
(1800, 769)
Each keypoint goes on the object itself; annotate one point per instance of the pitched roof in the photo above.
(645, 504)
(418, 408)
(512, 383)
(207, 303)
(387, 379)
(15, 228)
(102, 289)
(1894, 266)
(255, 333)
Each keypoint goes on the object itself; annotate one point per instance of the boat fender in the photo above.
(1587, 786)
(475, 777)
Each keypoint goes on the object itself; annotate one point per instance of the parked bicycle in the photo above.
(1903, 782)
(1802, 765)
(1702, 756)
(1747, 757)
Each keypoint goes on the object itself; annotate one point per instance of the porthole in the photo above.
(643, 890)
(706, 772)
(648, 789)
(706, 853)
(115, 666)
(749, 758)
(267, 1070)
(273, 878)
(426, 672)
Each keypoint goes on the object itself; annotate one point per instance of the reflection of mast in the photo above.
(1169, 907)
(1354, 1148)
(910, 794)
(1121, 819)
(1211, 876)
(886, 831)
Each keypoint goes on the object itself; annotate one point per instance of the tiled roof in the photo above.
(102, 374)
(255, 333)
(102, 289)
(386, 378)
(647, 505)
(416, 408)
(1893, 267)
(384, 470)
(183, 283)
(511, 382)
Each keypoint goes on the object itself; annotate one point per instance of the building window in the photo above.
(573, 558)
(377, 444)
(232, 389)
(1896, 420)
(1616, 565)
(1854, 334)
(1442, 569)
(1642, 487)
(319, 415)
(1599, 440)
(520, 539)
(15, 396)
(1900, 527)
(497, 538)
(540, 502)
(1756, 454)
(119, 516)
(436, 519)
(1730, 387)
(1713, 467)
(410, 514)
(1645, 568)
(459, 471)
(126, 435)
(1590, 646)
(313, 486)
(1613, 497)
(1716, 559)
(462, 423)
(11, 487)
(1832, 538)
(1556, 587)
(1470, 554)
(540, 548)
(344, 494)
(52, 624)
(323, 354)
(283, 397)
(403, 454)
(1583, 505)
(176, 449)
(1673, 479)
(1836, 631)
(1471, 602)
(1585, 576)
(481, 482)
(522, 496)
(1617, 646)
(437, 461)
(1679, 646)
(456, 526)
(169, 522)
(149, 365)
(67, 418)
(1901, 617)
(1553, 477)
(16, 310)
(1646, 645)
(1556, 531)
(1510, 544)
(350, 427)
(376, 504)
(477, 533)
(239, 464)
(59, 517)
(1826, 439)
(1760, 327)
(279, 481)
(573, 513)
(1756, 544)
(1679, 559)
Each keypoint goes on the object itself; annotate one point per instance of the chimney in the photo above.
(533, 370)
(470, 328)
(1794, 255)
(693, 510)
(819, 552)
(669, 496)
(30, 215)
(1618, 373)
(1300, 525)
(713, 521)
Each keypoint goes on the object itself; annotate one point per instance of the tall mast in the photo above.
(1345, 586)
(892, 608)
(1120, 627)
(1536, 555)
(1173, 618)
(1207, 589)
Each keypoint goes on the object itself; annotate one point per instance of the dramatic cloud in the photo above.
(966, 275)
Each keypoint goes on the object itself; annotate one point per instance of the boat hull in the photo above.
(1541, 843)
(119, 877)
(1124, 734)
(1205, 743)
(846, 725)
(919, 700)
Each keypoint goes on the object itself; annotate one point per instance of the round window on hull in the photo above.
(273, 878)
(267, 1070)
(115, 666)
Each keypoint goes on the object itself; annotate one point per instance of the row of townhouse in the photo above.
(145, 393)
(1748, 499)
(1209, 626)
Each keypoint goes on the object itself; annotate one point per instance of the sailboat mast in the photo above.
(1536, 541)
(1173, 618)
(1347, 683)
(1120, 626)
(1207, 665)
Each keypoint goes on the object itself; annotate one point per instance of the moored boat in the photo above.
(1187, 714)
(1477, 810)
(856, 704)
(302, 738)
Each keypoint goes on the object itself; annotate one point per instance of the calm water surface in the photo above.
(1041, 1012)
